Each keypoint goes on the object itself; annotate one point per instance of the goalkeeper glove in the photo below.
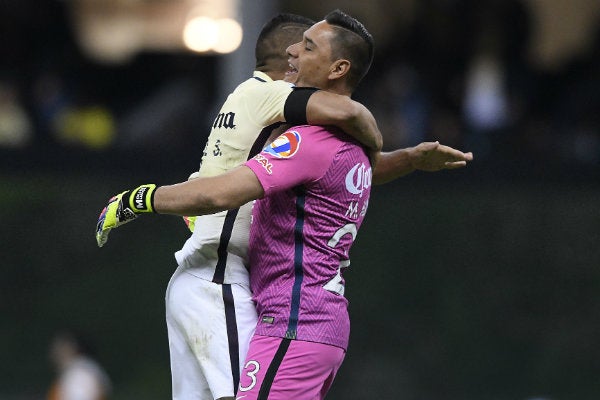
(190, 222)
(123, 208)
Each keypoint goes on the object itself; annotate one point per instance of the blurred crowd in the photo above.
(459, 73)
(54, 97)
(463, 74)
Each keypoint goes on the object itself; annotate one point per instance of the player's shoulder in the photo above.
(324, 139)
(317, 139)
(321, 131)
(261, 84)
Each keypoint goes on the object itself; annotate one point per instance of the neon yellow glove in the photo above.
(190, 222)
(123, 208)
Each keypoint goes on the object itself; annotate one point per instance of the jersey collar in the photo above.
(262, 75)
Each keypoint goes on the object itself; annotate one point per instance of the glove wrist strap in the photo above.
(141, 199)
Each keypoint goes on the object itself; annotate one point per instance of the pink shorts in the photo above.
(284, 369)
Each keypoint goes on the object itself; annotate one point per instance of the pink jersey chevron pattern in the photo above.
(317, 195)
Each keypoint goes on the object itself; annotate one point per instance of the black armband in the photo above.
(294, 110)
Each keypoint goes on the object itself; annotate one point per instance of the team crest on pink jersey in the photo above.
(286, 145)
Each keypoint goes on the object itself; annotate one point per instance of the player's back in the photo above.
(253, 106)
(301, 236)
(217, 249)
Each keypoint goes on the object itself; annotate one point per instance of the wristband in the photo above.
(141, 199)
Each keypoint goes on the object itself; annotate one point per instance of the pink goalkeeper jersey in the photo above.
(317, 183)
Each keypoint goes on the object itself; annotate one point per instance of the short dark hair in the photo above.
(352, 42)
(276, 35)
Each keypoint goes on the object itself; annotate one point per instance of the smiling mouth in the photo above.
(291, 75)
(291, 70)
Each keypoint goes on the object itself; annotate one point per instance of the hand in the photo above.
(433, 156)
(122, 209)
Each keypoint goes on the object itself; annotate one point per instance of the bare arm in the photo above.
(325, 108)
(209, 195)
(427, 156)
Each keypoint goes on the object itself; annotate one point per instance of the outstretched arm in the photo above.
(325, 108)
(427, 156)
(195, 197)
(208, 195)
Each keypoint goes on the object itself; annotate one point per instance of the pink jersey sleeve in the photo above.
(300, 155)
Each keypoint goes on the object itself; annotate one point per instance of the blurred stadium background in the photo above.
(479, 284)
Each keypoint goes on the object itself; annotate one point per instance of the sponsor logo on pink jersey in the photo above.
(286, 145)
(262, 160)
(358, 179)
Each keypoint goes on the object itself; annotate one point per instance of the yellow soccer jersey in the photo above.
(253, 105)
(218, 247)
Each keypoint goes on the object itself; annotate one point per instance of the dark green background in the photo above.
(463, 285)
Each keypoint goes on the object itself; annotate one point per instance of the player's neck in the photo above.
(336, 87)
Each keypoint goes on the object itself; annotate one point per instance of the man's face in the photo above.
(310, 59)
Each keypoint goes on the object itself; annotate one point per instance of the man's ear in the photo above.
(339, 68)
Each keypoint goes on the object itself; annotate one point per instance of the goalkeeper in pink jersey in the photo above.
(316, 184)
(300, 237)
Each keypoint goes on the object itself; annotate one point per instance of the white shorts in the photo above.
(209, 326)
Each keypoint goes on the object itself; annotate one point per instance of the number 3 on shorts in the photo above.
(251, 368)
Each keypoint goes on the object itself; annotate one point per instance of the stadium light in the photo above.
(203, 34)
(230, 36)
(114, 31)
